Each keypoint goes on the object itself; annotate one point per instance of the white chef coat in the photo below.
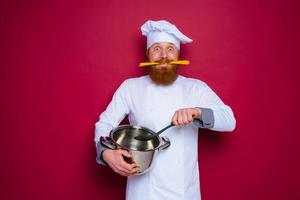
(174, 174)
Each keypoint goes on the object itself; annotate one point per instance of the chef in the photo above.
(153, 101)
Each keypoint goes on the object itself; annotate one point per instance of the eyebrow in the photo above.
(169, 44)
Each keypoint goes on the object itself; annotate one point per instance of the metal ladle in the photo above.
(149, 137)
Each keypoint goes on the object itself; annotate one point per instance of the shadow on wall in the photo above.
(214, 142)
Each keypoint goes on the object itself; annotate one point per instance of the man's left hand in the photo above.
(185, 116)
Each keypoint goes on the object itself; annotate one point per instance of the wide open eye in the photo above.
(171, 49)
(156, 49)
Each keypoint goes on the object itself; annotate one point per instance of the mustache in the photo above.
(164, 61)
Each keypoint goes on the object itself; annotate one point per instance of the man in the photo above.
(153, 101)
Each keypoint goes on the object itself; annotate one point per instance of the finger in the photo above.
(125, 153)
(180, 118)
(134, 165)
(118, 171)
(190, 115)
(126, 166)
(121, 164)
(129, 163)
(135, 170)
(174, 118)
(121, 169)
(131, 172)
(185, 117)
(123, 173)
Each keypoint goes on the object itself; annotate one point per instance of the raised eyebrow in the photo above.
(171, 47)
(156, 45)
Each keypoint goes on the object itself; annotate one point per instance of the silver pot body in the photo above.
(142, 152)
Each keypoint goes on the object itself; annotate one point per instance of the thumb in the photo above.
(126, 154)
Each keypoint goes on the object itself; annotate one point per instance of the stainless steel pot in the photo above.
(142, 151)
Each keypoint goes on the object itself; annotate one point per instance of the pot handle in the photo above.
(108, 143)
(165, 143)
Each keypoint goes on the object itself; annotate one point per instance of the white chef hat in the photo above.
(163, 31)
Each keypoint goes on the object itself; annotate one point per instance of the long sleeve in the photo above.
(114, 113)
(110, 118)
(222, 114)
(99, 150)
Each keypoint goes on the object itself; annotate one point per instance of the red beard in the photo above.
(163, 76)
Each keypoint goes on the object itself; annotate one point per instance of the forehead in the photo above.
(163, 44)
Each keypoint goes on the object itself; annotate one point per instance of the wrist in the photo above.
(104, 154)
(198, 113)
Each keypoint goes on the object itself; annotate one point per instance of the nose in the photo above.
(164, 53)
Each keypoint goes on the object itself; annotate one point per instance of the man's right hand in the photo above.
(115, 159)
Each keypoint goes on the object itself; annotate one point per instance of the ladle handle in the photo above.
(162, 130)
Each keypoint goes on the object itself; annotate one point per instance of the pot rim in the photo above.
(134, 127)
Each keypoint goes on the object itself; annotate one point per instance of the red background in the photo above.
(61, 61)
